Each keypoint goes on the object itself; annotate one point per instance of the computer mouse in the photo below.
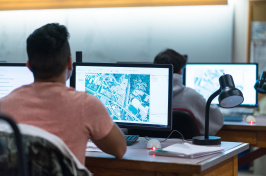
(154, 144)
(250, 119)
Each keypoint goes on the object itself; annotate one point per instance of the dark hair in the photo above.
(170, 56)
(48, 50)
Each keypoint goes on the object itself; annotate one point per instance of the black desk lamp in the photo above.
(229, 97)
(22, 159)
(260, 85)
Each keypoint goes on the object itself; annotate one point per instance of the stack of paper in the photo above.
(91, 147)
(187, 150)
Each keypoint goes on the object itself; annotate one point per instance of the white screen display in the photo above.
(204, 78)
(12, 77)
(137, 95)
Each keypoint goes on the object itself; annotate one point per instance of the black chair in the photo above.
(183, 121)
(46, 153)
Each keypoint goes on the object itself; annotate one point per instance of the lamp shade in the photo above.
(229, 96)
(260, 85)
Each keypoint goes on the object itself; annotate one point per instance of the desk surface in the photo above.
(254, 134)
(138, 159)
(260, 124)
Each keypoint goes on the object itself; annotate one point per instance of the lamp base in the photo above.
(201, 140)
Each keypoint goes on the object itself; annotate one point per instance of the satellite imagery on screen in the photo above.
(207, 82)
(126, 96)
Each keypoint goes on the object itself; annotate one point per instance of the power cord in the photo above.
(183, 139)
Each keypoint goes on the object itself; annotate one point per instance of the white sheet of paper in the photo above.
(91, 147)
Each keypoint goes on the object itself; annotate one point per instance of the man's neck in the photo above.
(60, 79)
(57, 79)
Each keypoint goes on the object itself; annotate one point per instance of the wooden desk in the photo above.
(254, 134)
(138, 162)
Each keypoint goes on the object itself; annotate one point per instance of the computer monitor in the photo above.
(204, 78)
(14, 75)
(136, 96)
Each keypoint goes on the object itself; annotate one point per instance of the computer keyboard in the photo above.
(131, 139)
(234, 118)
(237, 111)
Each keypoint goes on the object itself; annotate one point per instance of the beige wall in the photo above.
(240, 33)
(239, 43)
(135, 34)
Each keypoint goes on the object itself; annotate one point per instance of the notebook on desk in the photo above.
(187, 150)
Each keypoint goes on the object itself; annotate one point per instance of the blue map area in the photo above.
(126, 96)
(207, 82)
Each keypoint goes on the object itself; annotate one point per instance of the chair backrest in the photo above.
(47, 154)
(183, 121)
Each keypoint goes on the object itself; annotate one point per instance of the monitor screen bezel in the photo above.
(13, 64)
(168, 127)
(197, 63)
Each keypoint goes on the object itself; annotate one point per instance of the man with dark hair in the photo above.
(47, 103)
(170, 56)
(185, 97)
(48, 51)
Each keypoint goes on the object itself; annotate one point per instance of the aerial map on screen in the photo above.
(207, 81)
(126, 96)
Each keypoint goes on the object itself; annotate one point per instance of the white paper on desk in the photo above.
(91, 147)
(187, 150)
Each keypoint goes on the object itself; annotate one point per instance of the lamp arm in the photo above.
(22, 159)
(207, 112)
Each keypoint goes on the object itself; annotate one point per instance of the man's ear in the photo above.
(69, 63)
(69, 68)
(28, 64)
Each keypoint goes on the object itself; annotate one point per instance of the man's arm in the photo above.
(113, 143)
